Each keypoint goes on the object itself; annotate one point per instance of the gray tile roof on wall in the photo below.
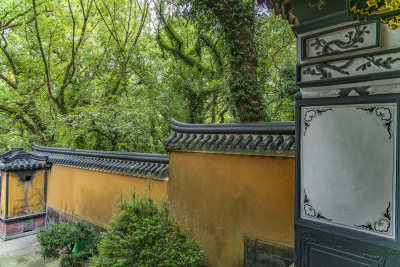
(17, 159)
(266, 138)
(125, 163)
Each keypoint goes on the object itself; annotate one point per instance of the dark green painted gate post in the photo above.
(347, 131)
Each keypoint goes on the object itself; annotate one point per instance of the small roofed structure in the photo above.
(23, 193)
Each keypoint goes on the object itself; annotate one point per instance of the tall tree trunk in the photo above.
(237, 21)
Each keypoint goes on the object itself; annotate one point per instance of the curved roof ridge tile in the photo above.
(126, 163)
(147, 157)
(260, 138)
(286, 127)
(18, 159)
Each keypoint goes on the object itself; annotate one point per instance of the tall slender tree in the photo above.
(235, 19)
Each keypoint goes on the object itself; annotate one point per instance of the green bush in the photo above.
(143, 234)
(58, 241)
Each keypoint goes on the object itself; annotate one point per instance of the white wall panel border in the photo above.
(348, 166)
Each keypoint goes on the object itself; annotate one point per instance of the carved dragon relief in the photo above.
(326, 70)
(354, 38)
(322, 70)
(378, 62)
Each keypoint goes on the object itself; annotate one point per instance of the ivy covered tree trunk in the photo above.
(236, 18)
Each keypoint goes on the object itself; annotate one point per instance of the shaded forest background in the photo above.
(108, 74)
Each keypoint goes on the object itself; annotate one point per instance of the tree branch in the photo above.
(143, 20)
(10, 83)
(105, 22)
(46, 68)
(9, 58)
(19, 117)
(9, 26)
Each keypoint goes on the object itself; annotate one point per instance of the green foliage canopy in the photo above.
(108, 75)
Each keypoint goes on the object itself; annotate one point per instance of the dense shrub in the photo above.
(58, 241)
(143, 234)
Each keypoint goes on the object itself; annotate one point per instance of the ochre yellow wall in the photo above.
(25, 197)
(221, 198)
(91, 195)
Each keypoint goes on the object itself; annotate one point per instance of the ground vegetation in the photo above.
(143, 233)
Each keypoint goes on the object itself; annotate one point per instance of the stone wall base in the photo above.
(21, 226)
(56, 216)
(260, 253)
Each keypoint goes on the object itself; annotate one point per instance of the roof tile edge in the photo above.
(122, 163)
(265, 138)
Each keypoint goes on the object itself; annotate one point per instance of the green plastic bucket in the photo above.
(78, 246)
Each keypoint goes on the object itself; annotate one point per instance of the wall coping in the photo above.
(146, 157)
(286, 127)
(264, 138)
(124, 163)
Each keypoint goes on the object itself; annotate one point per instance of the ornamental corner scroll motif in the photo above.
(382, 225)
(311, 114)
(384, 113)
(310, 211)
(353, 39)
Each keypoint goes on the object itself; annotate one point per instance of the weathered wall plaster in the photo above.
(221, 199)
(25, 197)
(91, 195)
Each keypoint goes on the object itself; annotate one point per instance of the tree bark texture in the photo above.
(236, 18)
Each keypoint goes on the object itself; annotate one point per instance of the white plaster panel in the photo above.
(343, 41)
(363, 65)
(348, 166)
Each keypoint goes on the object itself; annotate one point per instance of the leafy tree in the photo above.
(108, 75)
(124, 22)
(198, 74)
(76, 65)
(235, 20)
(276, 47)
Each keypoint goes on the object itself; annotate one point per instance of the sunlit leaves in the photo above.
(123, 85)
